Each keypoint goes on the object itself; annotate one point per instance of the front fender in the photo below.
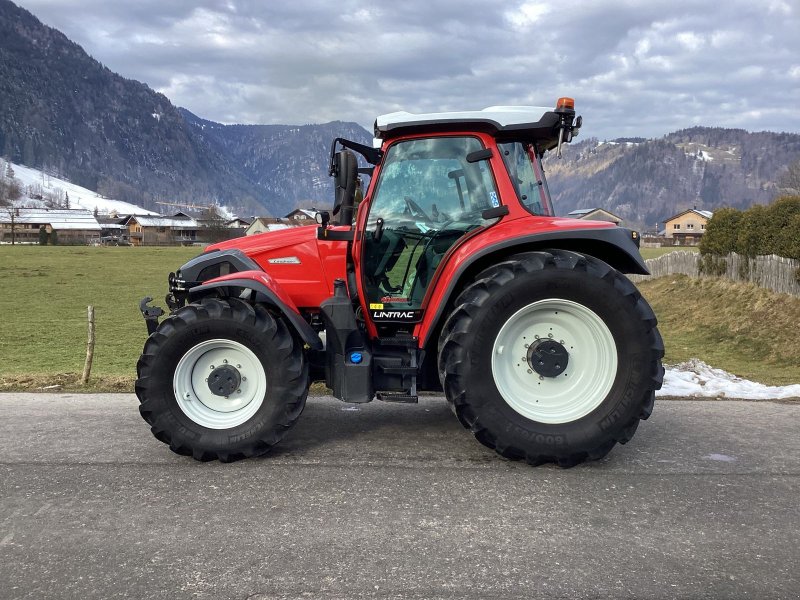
(268, 291)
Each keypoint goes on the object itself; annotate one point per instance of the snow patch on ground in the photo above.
(694, 378)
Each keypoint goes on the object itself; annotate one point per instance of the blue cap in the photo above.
(356, 357)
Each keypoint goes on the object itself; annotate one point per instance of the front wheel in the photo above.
(221, 380)
(551, 356)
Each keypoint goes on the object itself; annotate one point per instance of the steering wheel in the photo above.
(415, 210)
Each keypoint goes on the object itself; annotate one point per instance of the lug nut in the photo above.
(225, 360)
(212, 367)
(529, 371)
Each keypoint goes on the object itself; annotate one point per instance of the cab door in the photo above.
(430, 193)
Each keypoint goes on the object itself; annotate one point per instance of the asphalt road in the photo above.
(396, 502)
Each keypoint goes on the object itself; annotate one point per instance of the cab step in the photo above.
(401, 398)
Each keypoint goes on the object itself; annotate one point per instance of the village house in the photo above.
(595, 214)
(687, 227)
(239, 223)
(67, 226)
(303, 216)
(264, 224)
(297, 218)
(179, 229)
(114, 232)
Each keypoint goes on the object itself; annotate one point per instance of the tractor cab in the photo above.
(437, 179)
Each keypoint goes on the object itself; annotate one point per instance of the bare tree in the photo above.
(13, 215)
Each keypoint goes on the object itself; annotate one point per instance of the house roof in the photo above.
(270, 224)
(582, 212)
(706, 214)
(106, 220)
(60, 219)
(171, 222)
(246, 220)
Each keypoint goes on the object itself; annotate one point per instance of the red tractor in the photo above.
(452, 274)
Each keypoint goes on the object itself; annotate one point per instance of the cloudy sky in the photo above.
(635, 68)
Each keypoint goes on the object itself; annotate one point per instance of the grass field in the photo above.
(740, 328)
(656, 252)
(43, 307)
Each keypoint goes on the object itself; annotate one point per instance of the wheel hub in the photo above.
(548, 357)
(224, 380)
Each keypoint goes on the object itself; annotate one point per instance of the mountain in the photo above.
(285, 161)
(647, 181)
(63, 112)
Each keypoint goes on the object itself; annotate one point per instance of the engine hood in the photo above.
(270, 240)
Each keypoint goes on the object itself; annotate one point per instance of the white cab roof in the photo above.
(501, 116)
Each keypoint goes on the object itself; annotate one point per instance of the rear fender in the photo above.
(267, 291)
(614, 245)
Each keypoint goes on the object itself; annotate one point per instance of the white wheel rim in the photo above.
(196, 399)
(589, 373)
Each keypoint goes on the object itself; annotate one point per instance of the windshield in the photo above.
(526, 174)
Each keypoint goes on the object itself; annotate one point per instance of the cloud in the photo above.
(635, 68)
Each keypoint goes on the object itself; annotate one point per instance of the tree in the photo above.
(760, 230)
(755, 232)
(786, 222)
(13, 215)
(722, 232)
(66, 200)
(43, 235)
(10, 188)
(54, 238)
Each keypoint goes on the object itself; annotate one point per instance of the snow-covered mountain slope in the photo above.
(37, 183)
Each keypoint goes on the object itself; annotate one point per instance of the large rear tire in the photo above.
(551, 356)
(221, 380)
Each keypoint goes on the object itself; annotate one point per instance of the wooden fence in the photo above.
(774, 273)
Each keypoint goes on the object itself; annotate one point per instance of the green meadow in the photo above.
(46, 291)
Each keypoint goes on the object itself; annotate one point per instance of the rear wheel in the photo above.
(551, 357)
(221, 380)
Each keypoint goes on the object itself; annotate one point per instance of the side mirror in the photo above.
(345, 173)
